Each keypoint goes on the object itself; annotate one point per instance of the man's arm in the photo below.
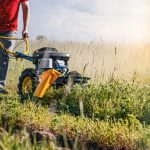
(26, 16)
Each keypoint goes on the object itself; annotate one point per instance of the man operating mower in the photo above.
(9, 10)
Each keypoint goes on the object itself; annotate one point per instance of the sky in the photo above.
(86, 20)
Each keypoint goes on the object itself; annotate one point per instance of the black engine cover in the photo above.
(47, 52)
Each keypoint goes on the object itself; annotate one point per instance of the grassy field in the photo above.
(113, 112)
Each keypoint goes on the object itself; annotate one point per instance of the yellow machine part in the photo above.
(27, 85)
(47, 79)
(26, 52)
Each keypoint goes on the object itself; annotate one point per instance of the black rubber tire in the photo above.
(32, 73)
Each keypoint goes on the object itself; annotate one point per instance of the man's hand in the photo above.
(25, 33)
(26, 17)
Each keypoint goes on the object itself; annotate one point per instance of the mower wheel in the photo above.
(28, 83)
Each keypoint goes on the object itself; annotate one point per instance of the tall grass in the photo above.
(101, 58)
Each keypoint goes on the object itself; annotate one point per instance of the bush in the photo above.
(112, 100)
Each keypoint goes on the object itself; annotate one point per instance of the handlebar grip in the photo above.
(25, 35)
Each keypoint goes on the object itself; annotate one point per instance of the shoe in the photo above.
(3, 91)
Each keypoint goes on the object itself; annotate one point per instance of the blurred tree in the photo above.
(41, 38)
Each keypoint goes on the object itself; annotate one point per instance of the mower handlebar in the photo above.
(25, 39)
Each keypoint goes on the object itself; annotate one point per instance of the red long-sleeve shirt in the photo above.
(9, 14)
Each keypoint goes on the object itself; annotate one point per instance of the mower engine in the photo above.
(47, 58)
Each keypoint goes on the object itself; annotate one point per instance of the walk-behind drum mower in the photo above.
(51, 69)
